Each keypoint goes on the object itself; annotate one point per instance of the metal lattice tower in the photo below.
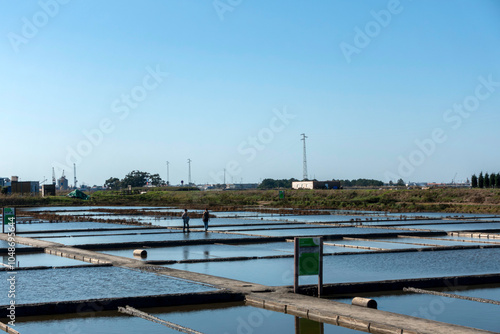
(305, 159)
(189, 175)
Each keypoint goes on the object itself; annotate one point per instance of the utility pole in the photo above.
(304, 166)
(74, 172)
(189, 174)
(168, 182)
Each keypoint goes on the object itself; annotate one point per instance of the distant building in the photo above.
(4, 181)
(316, 185)
(48, 190)
(62, 183)
(25, 187)
(241, 186)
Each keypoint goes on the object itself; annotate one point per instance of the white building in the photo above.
(316, 185)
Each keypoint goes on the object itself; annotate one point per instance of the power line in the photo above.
(74, 172)
(168, 182)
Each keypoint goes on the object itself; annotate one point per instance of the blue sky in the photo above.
(377, 86)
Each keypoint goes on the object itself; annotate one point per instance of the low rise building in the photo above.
(48, 190)
(25, 187)
(316, 185)
(4, 181)
(241, 186)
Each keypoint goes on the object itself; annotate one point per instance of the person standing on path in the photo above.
(185, 219)
(206, 218)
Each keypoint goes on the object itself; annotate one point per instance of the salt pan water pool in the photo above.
(374, 244)
(205, 252)
(176, 221)
(5, 244)
(25, 227)
(358, 267)
(429, 241)
(41, 259)
(323, 218)
(51, 285)
(126, 231)
(458, 227)
(450, 310)
(168, 236)
(212, 319)
(319, 231)
(83, 208)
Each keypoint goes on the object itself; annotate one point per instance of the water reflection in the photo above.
(306, 326)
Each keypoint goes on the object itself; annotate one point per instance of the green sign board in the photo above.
(282, 194)
(9, 217)
(309, 256)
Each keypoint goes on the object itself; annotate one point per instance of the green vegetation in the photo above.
(362, 183)
(135, 179)
(287, 184)
(404, 200)
(275, 184)
(485, 181)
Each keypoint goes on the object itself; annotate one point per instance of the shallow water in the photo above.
(5, 244)
(214, 319)
(320, 231)
(323, 218)
(25, 227)
(358, 267)
(83, 208)
(236, 214)
(130, 231)
(42, 259)
(376, 244)
(270, 226)
(169, 236)
(206, 252)
(176, 221)
(50, 285)
(442, 214)
(432, 242)
(450, 310)
(458, 227)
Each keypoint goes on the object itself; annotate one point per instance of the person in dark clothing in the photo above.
(206, 218)
(185, 219)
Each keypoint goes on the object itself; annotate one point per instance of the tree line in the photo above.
(135, 179)
(273, 184)
(287, 183)
(362, 183)
(485, 181)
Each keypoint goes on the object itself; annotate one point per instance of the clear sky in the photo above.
(382, 89)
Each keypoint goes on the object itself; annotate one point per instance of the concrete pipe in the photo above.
(364, 302)
(140, 253)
